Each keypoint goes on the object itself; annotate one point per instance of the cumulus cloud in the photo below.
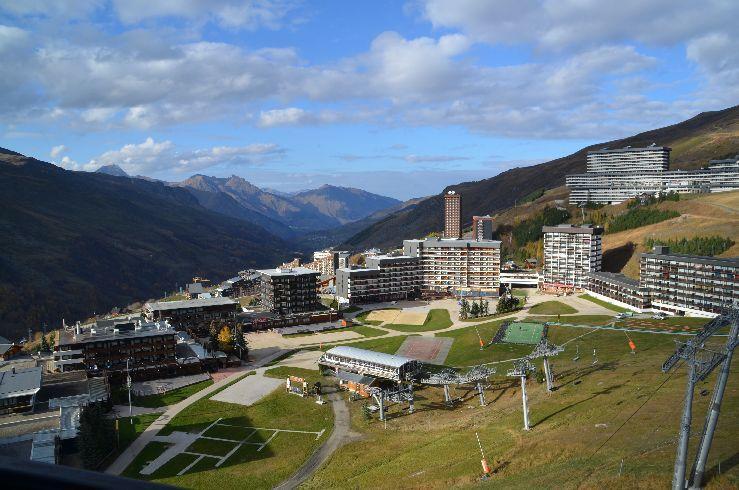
(151, 157)
(57, 150)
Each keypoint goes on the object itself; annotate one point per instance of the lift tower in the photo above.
(701, 362)
(545, 350)
(521, 368)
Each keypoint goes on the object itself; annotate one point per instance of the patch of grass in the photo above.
(436, 320)
(128, 432)
(431, 448)
(261, 469)
(575, 319)
(552, 308)
(388, 345)
(521, 293)
(150, 452)
(605, 304)
(466, 351)
(310, 375)
(281, 357)
(362, 317)
(211, 447)
(170, 397)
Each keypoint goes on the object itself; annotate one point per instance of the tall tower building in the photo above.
(570, 254)
(452, 215)
(482, 227)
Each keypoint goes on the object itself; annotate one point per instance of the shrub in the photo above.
(699, 245)
(638, 217)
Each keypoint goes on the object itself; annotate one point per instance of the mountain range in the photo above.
(694, 141)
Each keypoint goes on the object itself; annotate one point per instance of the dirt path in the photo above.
(341, 435)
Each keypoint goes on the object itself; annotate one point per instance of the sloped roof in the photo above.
(389, 360)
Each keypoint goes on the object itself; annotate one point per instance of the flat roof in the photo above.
(695, 259)
(628, 148)
(19, 383)
(381, 358)
(109, 333)
(292, 271)
(190, 303)
(615, 277)
(567, 228)
(364, 271)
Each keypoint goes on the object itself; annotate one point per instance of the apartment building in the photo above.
(104, 347)
(650, 159)
(192, 311)
(605, 182)
(619, 290)
(688, 284)
(327, 261)
(384, 278)
(570, 254)
(286, 291)
(482, 227)
(452, 215)
(454, 266)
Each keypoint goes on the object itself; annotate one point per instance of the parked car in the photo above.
(659, 316)
(624, 314)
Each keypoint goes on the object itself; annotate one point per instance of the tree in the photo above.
(484, 307)
(475, 309)
(506, 304)
(464, 310)
(44, 344)
(214, 331)
(225, 339)
(96, 435)
(240, 344)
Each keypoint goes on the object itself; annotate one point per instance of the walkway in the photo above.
(127, 457)
(341, 435)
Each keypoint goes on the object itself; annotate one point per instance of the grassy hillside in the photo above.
(75, 243)
(695, 141)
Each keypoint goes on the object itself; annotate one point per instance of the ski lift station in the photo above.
(370, 363)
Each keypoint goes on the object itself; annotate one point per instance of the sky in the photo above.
(398, 98)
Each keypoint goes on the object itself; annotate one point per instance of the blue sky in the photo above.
(399, 98)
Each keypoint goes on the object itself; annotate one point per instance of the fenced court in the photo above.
(520, 333)
(214, 445)
(428, 349)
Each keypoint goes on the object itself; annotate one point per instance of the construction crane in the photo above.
(701, 362)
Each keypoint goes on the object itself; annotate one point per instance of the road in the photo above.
(341, 435)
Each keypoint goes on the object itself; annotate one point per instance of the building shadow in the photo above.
(615, 259)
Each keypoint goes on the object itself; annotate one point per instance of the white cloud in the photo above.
(433, 158)
(282, 117)
(151, 157)
(249, 14)
(717, 56)
(65, 9)
(57, 150)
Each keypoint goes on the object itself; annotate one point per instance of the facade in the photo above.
(607, 183)
(452, 215)
(384, 278)
(191, 311)
(247, 282)
(482, 227)
(101, 348)
(686, 284)
(570, 254)
(618, 289)
(630, 160)
(369, 363)
(450, 266)
(18, 389)
(289, 291)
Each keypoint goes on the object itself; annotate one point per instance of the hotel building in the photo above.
(452, 215)
(570, 254)
(288, 291)
(453, 266)
(384, 278)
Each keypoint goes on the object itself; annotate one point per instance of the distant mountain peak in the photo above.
(113, 170)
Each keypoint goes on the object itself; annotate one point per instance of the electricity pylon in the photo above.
(701, 362)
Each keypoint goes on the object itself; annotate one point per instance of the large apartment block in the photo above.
(482, 227)
(453, 266)
(452, 215)
(615, 176)
(149, 348)
(687, 284)
(570, 254)
(384, 278)
(618, 289)
(287, 291)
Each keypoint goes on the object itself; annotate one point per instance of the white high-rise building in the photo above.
(630, 160)
(570, 254)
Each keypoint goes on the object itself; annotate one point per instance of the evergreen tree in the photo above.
(214, 331)
(475, 309)
(44, 344)
(506, 304)
(96, 437)
(464, 310)
(240, 344)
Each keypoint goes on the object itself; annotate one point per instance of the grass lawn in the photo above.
(388, 345)
(436, 320)
(521, 293)
(310, 375)
(466, 351)
(575, 320)
(489, 317)
(261, 469)
(577, 440)
(605, 304)
(171, 397)
(552, 308)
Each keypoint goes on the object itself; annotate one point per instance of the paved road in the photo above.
(127, 457)
(341, 435)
